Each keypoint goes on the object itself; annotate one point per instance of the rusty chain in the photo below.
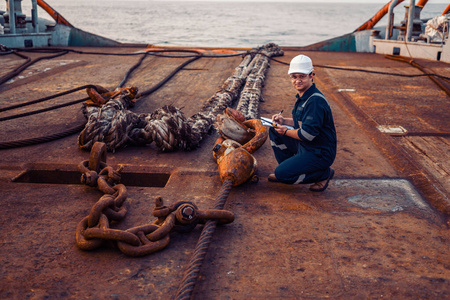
(94, 229)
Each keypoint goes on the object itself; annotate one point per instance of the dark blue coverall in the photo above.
(308, 160)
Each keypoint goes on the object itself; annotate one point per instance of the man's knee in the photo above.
(287, 175)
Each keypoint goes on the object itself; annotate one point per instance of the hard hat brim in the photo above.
(302, 71)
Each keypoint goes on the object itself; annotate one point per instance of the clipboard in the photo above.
(268, 122)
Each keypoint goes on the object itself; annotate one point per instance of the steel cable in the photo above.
(368, 71)
(63, 51)
(48, 97)
(168, 77)
(43, 110)
(115, 125)
(131, 70)
(32, 141)
(191, 274)
(424, 70)
(383, 73)
(40, 140)
(150, 51)
(27, 142)
(28, 63)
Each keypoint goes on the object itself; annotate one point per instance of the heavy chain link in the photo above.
(94, 229)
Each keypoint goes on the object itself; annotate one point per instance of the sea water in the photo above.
(220, 23)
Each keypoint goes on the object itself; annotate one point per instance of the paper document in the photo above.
(268, 122)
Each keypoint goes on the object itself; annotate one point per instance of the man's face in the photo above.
(301, 82)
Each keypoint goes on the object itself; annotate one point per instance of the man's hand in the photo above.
(278, 119)
(281, 129)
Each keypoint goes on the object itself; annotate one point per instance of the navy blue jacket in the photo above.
(312, 115)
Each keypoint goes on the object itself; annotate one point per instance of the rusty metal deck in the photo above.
(379, 230)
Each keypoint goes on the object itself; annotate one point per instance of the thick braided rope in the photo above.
(115, 126)
(191, 131)
(109, 124)
(197, 126)
(251, 95)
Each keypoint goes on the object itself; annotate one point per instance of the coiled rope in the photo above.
(167, 126)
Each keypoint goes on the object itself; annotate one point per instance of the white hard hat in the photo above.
(301, 64)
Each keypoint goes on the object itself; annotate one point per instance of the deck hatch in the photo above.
(73, 177)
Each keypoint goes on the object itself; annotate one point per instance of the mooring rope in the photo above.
(251, 95)
(79, 128)
(109, 124)
(191, 274)
(167, 126)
